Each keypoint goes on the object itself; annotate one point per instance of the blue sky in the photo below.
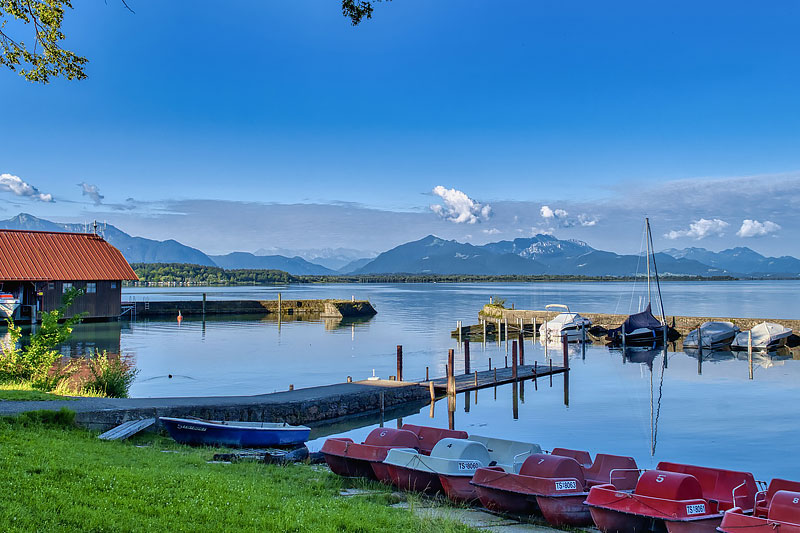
(277, 124)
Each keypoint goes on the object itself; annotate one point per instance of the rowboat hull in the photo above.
(229, 434)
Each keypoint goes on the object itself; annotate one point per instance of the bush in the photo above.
(498, 302)
(111, 376)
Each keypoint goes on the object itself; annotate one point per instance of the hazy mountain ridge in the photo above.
(538, 255)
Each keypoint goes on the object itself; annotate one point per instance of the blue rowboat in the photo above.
(234, 434)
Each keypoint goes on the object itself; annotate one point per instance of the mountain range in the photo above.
(540, 254)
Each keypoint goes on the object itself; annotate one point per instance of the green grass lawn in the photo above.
(24, 392)
(59, 478)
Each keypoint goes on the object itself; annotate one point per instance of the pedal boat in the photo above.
(351, 459)
(780, 513)
(553, 485)
(451, 464)
(428, 438)
(675, 498)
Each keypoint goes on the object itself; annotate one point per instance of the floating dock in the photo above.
(498, 376)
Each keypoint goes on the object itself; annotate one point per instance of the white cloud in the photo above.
(754, 228)
(458, 207)
(562, 218)
(92, 192)
(700, 229)
(15, 185)
(493, 231)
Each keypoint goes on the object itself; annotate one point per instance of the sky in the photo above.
(261, 125)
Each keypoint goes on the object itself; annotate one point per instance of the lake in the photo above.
(710, 414)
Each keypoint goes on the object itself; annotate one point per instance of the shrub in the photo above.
(63, 417)
(498, 302)
(111, 376)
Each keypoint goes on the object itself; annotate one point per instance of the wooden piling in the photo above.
(399, 362)
(534, 329)
(204, 304)
(521, 348)
(279, 304)
(514, 360)
(433, 392)
(490, 363)
(458, 326)
(451, 380)
(476, 379)
(495, 375)
(466, 356)
(750, 352)
(291, 386)
(551, 372)
(427, 375)
(349, 379)
(566, 352)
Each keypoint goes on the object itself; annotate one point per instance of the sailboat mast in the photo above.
(647, 238)
(655, 272)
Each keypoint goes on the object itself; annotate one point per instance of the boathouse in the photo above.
(38, 267)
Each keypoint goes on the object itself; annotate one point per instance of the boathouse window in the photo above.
(51, 286)
(67, 285)
(91, 287)
(113, 284)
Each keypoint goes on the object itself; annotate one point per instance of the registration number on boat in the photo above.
(193, 428)
(469, 465)
(699, 508)
(566, 485)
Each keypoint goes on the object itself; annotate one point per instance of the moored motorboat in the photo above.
(712, 334)
(782, 515)
(352, 459)
(234, 434)
(554, 485)
(8, 304)
(675, 497)
(763, 336)
(573, 325)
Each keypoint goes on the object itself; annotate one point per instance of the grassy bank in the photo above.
(26, 393)
(60, 478)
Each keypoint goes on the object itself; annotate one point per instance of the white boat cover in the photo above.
(712, 334)
(567, 323)
(765, 335)
(462, 457)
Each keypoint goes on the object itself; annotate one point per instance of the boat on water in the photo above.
(782, 515)
(351, 459)
(675, 498)
(554, 485)
(765, 336)
(452, 463)
(711, 335)
(198, 432)
(639, 329)
(8, 305)
(573, 325)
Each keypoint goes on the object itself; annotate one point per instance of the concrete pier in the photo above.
(301, 406)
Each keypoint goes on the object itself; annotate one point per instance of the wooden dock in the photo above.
(496, 376)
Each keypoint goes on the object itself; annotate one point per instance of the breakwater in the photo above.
(525, 318)
(307, 308)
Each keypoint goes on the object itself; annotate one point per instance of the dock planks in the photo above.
(486, 378)
(127, 429)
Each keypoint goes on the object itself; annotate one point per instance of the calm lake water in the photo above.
(711, 414)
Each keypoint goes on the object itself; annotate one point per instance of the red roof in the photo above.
(49, 256)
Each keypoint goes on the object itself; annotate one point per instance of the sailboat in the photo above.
(643, 328)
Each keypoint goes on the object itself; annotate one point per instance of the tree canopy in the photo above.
(43, 56)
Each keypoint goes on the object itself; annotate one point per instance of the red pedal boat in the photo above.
(675, 497)
(782, 516)
(554, 485)
(351, 459)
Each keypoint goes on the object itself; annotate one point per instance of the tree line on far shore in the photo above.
(186, 274)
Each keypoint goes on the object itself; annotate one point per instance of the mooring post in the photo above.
(583, 342)
(566, 352)
(490, 363)
(466, 356)
(426, 374)
(499, 331)
(505, 324)
(433, 392)
(535, 374)
(551, 372)
(349, 379)
(699, 351)
(506, 366)
(515, 401)
(451, 380)
(279, 306)
(483, 323)
(458, 327)
(514, 360)
(750, 352)
(291, 386)
(476, 379)
(204, 304)
(495, 375)
(566, 389)
(534, 330)
(521, 349)
(399, 362)
(623, 339)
